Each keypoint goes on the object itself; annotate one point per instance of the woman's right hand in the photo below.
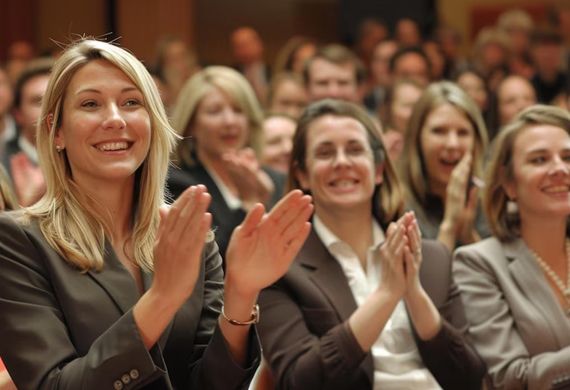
(456, 193)
(179, 244)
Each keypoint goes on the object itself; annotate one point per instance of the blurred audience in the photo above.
(292, 56)
(549, 79)
(379, 76)
(278, 131)
(334, 72)
(247, 49)
(174, 64)
(21, 158)
(287, 94)
(395, 114)
(7, 123)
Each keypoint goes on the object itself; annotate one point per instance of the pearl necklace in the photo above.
(564, 289)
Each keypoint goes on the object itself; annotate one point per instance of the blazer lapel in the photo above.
(327, 274)
(532, 282)
(116, 281)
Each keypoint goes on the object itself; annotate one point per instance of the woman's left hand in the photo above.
(252, 183)
(413, 254)
(264, 245)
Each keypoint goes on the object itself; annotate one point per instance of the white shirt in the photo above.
(397, 362)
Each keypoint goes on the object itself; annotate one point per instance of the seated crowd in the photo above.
(391, 216)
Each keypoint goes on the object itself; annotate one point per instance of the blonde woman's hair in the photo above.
(500, 170)
(6, 193)
(388, 201)
(231, 83)
(412, 165)
(72, 222)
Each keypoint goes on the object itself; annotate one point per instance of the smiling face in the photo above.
(541, 170)
(340, 170)
(105, 127)
(219, 126)
(445, 137)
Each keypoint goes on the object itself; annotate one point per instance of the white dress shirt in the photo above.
(397, 362)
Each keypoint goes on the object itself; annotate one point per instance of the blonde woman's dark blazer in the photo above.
(307, 341)
(63, 329)
(516, 322)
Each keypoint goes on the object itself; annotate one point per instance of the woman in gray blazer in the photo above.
(101, 287)
(367, 304)
(516, 285)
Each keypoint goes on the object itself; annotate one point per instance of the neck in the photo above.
(355, 228)
(114, 203)
(551, 247)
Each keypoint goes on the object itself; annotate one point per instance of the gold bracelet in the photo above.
(253, 320)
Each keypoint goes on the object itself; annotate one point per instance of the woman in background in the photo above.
(220, 121)
(441, 163)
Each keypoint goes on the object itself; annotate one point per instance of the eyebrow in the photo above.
(545, 150)
(95, 90)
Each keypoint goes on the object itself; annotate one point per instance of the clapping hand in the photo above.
(252, 183)
(264, 245)
(179, 243)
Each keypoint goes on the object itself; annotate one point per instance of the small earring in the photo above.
(58, 148)
(512, 207)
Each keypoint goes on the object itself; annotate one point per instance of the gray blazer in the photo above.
(63, 329)
(309, 345)
(516, 322)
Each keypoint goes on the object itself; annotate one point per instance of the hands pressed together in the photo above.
(401, 257)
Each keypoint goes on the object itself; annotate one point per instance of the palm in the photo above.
(263, 246)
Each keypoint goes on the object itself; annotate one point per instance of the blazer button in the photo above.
(134, 373)
(118, 385)
(126, 379)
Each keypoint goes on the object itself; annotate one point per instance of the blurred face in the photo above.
(474, 87)
(380, 66)
(105, 127)
(547, 58)
(514, 95)
(445, 137)
(541, 168)
(412, 66)
(28, 113)
(247, 46)
(340, 169)
(301, 56)
(219, 126)
(289, 98)
(405, 97)
(408, 33)
(277, 142)
(5, 93)
(328, 80)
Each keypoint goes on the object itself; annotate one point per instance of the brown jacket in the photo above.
(307, 341)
